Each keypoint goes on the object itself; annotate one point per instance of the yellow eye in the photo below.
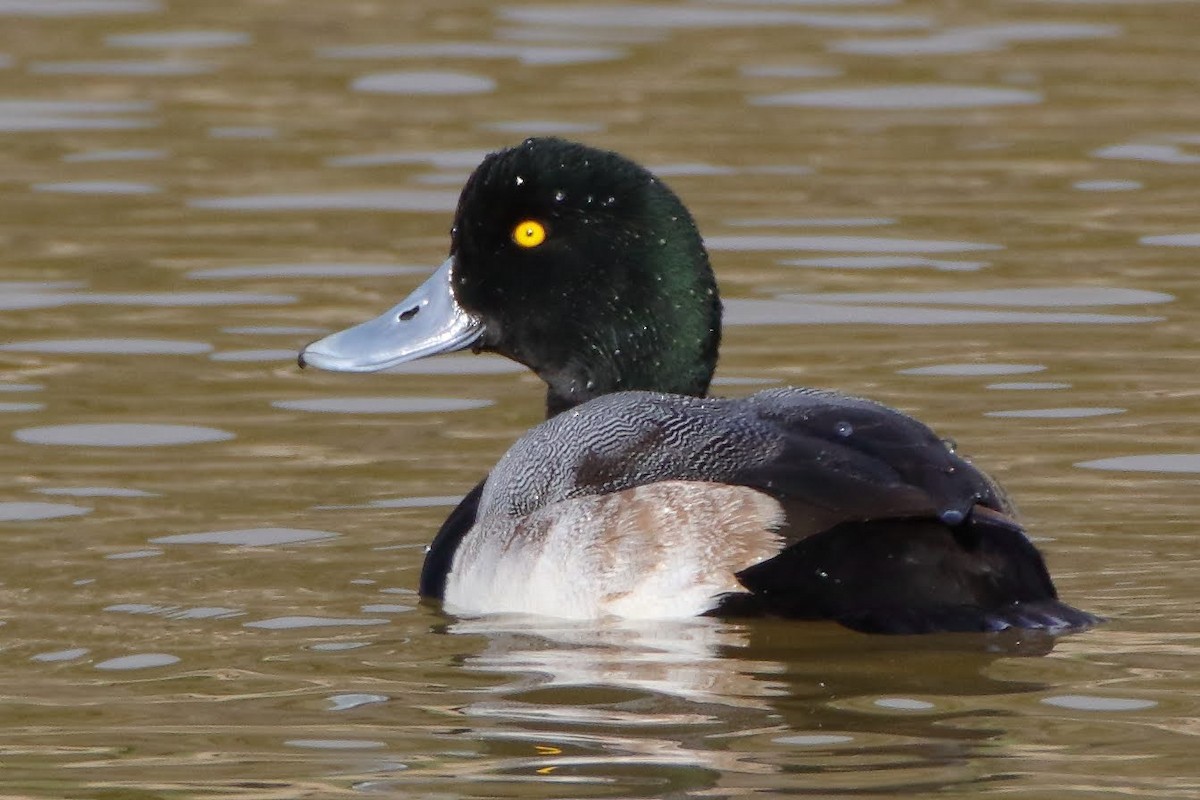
(529, 233)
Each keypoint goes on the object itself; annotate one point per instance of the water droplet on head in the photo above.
(559, 196)
(520, 180)
(951, 445)
(844, 428)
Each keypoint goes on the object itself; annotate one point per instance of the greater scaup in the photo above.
(639, 496)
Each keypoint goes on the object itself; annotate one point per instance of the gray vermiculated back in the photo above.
(628, 439)
(622, 440)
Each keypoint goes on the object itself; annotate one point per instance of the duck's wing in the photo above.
(890, 530)
(440, 554)
(836, 458)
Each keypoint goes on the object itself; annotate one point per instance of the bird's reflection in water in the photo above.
(706, 703)
(682, 659)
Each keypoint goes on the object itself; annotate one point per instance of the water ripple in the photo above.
(1075, 412)
(122, 68)
(622, 15)
(29, 512)
(530, 55)
(977, 39)
(317, 270)
(109, 346)
(419, 82)
(1158, 462)
(1048, 297)
(120, 435)
(250, 537)
(97, 187)
(139, 661)
(381, 405)
(76, 8)
(290, 623)
(902, 98)
(1159, 153)
(1172, 240)
(845, 244)
(364, 200)
(34, 115)
(963, 370)
(740, 311)
(179, 40)
(885, 262)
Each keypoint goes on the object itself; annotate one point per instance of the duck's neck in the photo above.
(662, 337)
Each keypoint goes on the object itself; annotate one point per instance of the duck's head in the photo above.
(574, 261)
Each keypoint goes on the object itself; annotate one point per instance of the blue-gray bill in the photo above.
(427, 322)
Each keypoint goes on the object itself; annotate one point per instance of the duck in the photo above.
(642, 497)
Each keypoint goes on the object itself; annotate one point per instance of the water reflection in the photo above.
(542, 127)
(76, 8)
(52, 299)
(1160, 462)
(649, 704)
(1070, 412)
(1048, 296)
(961, 370)
(885, 262)
(251, 537)
(29, 512)
(1172, 240)
(143, 154)
(442, 159)
(318, 270)
(364, 200)
(179, 40)
(1107, 186)
(902, 98)
(424, 82)
(790, 71)
(138, 661)
(115, 346)
(844, 244)
(29, 116)
(1162, 153)
(93, 491)
(127, 68)
(381, 405)
(679, 659)
(741, 311)
(128, 434)
(804, 222)
(525, 54)
(285, 355)
(631, 15)
(976, 39)
(97, 187)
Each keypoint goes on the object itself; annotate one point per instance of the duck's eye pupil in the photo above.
(529, 233)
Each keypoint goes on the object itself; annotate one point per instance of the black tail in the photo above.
(913, 576)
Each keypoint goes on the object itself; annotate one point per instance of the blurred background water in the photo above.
(984, 213)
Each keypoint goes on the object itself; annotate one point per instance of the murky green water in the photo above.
(984, 213)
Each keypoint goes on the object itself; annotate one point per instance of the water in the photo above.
(984, 214)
